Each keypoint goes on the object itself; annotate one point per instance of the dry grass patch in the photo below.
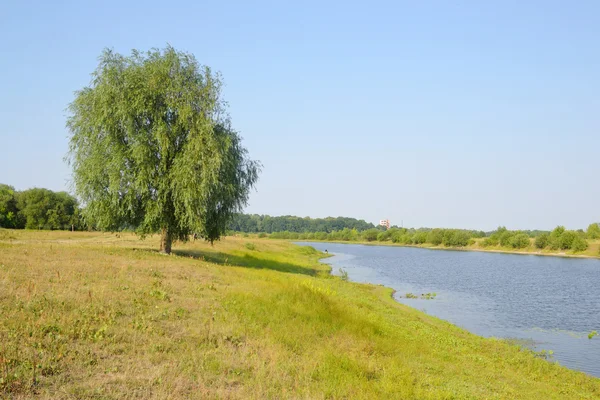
(92, 315)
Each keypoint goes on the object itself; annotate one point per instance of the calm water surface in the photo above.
(552, 302)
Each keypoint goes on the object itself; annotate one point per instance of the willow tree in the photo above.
(151, 147)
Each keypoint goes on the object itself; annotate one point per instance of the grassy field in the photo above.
(593, 250)
(91, 315)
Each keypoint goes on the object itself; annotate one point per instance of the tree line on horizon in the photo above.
(353, 230)
(38, 208)
(254, 223)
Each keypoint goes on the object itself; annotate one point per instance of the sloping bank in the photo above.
(592, 252)
(108, 317)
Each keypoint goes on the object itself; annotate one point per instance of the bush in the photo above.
(406, 239)
(455, 238)
(250, 246)
(420, 238)
(262, 235)
(519, 241)
(505, 238)
(490, 241)
(542, 241)
(566, 239)
(579, 244)
(370, 235)
(593, 231)
(435, 237)
(321, 235)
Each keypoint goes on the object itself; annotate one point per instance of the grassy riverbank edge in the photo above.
(594, 248)
(96, 315)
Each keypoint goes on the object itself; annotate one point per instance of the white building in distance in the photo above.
(385, 222)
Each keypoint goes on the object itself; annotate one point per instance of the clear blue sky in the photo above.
(473, 115)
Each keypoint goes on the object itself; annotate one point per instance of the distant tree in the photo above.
(8, 207)
(593, 231)
(152, 147)
(566, 239)
(555, 237)
(45, 209)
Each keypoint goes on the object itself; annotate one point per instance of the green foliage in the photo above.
(250, 246)
(45, 209)
(579, 244)
(435, 237)
(593, 231)
(268, 224)
(490, 241)
(370, 235)
(38, 209)
(555, 237)
(8, 207)
(151, 147)
(505, 238)
(519, 241)
(566, 239)
(559, 238)
(542, 241)
(382, 236)
(455, 238)
(420, 237)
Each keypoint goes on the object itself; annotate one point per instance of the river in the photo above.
(550, 303)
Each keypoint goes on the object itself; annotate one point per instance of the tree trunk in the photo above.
(165, 241)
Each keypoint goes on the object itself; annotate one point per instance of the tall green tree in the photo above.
(593, 231)
(151, 146)
(8, 207)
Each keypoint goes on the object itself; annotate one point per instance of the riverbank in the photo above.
(95, 315)
(593, 250)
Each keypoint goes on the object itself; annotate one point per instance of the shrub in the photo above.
(506, 238)
(456, 238)
(579, 244)
(406, 238)
(435, 237)
(420, 238)
(321, 235)
(519, 241)
(566, 239)
(593, 231)
(490, 241)
(262, 235)
(542, 241)
(250, 246)
(370, 235)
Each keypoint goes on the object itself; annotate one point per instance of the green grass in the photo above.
(89, 315)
